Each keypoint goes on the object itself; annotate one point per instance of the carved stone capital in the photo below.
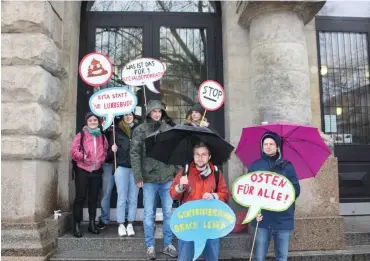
(247, 10)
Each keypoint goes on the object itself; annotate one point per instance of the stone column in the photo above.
(35, 84)
(280, 85)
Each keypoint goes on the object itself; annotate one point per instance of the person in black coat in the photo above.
(127, 191)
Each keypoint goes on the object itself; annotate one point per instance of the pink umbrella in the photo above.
(301, 145)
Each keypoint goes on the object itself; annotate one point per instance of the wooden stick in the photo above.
(204, 115)
(114, 142)
(254, 239)
(144, 86)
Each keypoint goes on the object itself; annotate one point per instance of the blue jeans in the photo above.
(108, 183)
(127, 192)
(186, 250)
(281, 243)
(150, 191)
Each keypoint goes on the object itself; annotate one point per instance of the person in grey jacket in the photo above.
(154, 177)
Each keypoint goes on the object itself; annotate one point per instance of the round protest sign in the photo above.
(211, 95)
(95, 69)
(263, 190)
(143, 71)
(200, 220)
(113, 101)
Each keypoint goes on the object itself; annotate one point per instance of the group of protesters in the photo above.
(121, 159)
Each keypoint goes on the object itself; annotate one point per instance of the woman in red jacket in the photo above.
(89, 151)
(200, 183)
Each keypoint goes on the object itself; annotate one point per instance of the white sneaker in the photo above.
(122, 230)
(130, 230)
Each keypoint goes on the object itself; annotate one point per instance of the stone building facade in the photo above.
(269, 49)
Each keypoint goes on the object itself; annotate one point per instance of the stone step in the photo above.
(352, 253)
(357, 238)
(108, 240)
(357, 230)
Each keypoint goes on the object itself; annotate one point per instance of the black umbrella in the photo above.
(175, 146)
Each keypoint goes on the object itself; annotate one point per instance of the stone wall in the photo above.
(238, 103)
(39, 60)
(311, 43)
(68, 110)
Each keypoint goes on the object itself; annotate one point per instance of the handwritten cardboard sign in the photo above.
(143, 71)
(211, 95)
(95, 69)
(263, 190)
(200, 220)
(113, 101)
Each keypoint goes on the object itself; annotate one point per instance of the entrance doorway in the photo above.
(185, 35)
(343, 45)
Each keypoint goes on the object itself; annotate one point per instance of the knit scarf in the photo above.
(205, 173)
(94, 132)
(126, 128)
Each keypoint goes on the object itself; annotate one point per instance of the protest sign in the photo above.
(263, 190)
(95, 69)
(211, 95)
(113, 101)
(200, 220)
(143, 71)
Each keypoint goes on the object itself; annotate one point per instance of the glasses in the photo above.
(201, 155)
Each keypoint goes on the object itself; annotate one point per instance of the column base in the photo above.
(318, 233)
(315, 233)
(32, 241)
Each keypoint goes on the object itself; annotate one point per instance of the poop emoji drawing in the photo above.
(96, 69)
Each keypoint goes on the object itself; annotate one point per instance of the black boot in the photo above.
(76, 230)
(92, 228)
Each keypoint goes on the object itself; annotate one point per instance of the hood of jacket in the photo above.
(276, 138)
(154, 104)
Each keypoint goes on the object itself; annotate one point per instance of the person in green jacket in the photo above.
(154, 177)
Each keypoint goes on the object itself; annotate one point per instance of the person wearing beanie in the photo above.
(88, 151)
(194, 117)
(154, 177)
(274, 224)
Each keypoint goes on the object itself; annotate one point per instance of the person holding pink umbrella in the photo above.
(283, 145)
(276, 225)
